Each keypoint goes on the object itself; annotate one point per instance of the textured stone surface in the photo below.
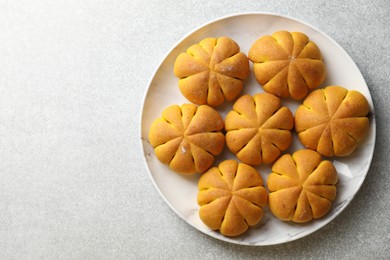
(73, 184)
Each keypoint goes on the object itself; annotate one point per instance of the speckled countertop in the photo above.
(73, 182)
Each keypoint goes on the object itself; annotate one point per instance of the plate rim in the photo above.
(235, 15)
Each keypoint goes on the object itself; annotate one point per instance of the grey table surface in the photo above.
(73, 183)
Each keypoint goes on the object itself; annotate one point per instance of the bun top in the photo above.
(231, 197)
(287, 64)
(258, 128)
(188, 137)
(211, 71)
(332, 120)
(302, 186)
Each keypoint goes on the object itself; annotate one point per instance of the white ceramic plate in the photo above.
(180, 192)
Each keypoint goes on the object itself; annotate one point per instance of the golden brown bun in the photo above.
(332, 121)
(188, 137)
(287, 64)
(258, 128)
(301, 187)
(211, 71)
(231, 197)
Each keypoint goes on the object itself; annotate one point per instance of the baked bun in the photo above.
(332, 121)
(287, 64)
(231, 197)
(301, 187)
(188, 137)
(211, 71)
(258, 128)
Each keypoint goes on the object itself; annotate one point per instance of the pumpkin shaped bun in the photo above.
(332, 121)
(287, 64)
(231, 197)
(301, 186)
(188, 137)
(258, 128)
(211, 71)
